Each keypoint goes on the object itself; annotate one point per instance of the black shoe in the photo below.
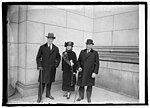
(65, 95)
(89, 100)
(68, 95)
(79, 99)
(39, 100)
(51, 97)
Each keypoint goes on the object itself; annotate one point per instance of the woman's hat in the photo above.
(89, 41)
(69, 44)
(51, 35)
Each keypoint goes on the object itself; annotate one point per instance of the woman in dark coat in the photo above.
(69, 64)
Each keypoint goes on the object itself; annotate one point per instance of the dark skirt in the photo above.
(68, 88)
(66, 84)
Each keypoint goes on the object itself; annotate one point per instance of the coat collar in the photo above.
(85, 50)
(88, 54)
(46, 45)
(50, 51)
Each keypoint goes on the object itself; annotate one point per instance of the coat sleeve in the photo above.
(79, 60)
(58, 58)
(75, 63)
(62, 64)
(39, 58)
(96, 63)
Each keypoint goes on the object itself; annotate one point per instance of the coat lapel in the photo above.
(48, 50)
(90, 53)
(87, 55)
(52, 50)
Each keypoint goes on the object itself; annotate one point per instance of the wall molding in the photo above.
(26, 86)
(34, 85)
(30, 89)
(123, 54)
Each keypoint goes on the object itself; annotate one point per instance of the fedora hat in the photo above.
(69, 44)
(51, 35)
(89, 41)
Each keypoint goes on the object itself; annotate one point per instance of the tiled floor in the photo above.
(99, 96)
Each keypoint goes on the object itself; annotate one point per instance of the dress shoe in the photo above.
(39, 100)
(68, 95)
(89, 100)
(65, 95)
(79, 99)
(51, 97)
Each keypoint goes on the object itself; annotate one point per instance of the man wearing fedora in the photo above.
(48, 59)
(88, 66)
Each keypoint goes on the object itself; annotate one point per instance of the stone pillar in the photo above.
(12, 27)
(27, 74)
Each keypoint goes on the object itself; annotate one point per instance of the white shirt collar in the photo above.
(89, 50)
(50, 46)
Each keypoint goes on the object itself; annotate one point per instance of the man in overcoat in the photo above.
(88, 66)
(48, 59)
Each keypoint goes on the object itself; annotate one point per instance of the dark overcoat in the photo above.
(49, 60)
(89, 62)
(67, 73)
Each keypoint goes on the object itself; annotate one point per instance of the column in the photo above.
(12, 27)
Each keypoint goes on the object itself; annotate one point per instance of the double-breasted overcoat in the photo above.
(89, 62)
(49, 60)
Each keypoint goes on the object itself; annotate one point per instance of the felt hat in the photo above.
(69, 44)
(51, 35)
(89, 41)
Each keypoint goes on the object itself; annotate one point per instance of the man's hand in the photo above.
(80, 69)
(40, 68)
(94, 75)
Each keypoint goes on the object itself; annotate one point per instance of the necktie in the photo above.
(88, 51)
(49, 46)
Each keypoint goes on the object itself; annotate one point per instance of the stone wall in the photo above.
(12, 40)
(117, 27)
(68, 23)
(109, 26)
